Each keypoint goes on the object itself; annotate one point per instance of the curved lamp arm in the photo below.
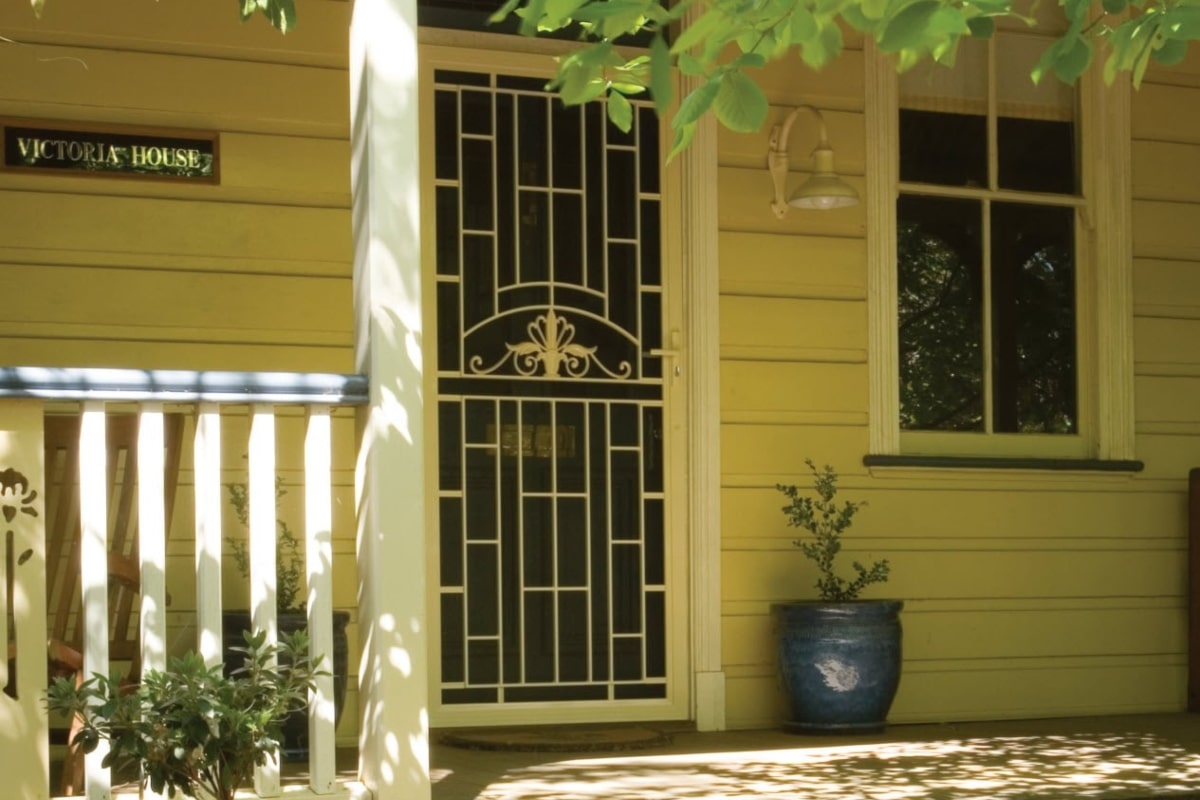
(829, 190)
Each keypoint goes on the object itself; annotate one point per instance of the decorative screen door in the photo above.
(552, 510)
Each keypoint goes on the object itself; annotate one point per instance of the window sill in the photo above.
(998, 462)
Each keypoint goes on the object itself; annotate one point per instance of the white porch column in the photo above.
(393, 682)
(703, 368)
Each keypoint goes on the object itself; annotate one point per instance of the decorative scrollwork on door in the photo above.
(552, 346)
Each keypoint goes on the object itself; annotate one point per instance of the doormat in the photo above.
(558, 739)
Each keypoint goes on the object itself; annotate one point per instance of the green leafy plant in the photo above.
(289, 557)
(191, 728)
(718, 44)
(280, 13)
(825, 520)
(715, 43)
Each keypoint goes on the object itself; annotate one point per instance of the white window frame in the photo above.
(1104, 287)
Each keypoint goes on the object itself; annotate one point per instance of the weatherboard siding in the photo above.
(251, 274)
(1027, 594)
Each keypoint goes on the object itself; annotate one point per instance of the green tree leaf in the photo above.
(683, 137)
(1114, 6)
(909, 27)
(819, 50)
(874, 9)
(662, 88)
(1140, 64)
(859, 21)
(581, 85)
(613, 17)
(280, 13)
(982, 27)
(691, 66)
(708, 23)
(1181, 22)
(38, 5)
(803, 24)
(559, 13)
(620, 112)
(1073, 60)
(696, 103)
(1046, 61)
(1171, 52)
(753, 60)
(501, 14)
(740, 104)
(530, 15)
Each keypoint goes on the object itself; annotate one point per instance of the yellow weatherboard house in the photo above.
(530, 385)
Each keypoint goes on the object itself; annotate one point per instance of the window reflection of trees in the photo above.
(940, 327)
(1036, 342)
(1032, 295)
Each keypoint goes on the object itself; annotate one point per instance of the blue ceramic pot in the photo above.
(840, 663)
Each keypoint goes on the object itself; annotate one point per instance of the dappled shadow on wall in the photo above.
(1102, 766)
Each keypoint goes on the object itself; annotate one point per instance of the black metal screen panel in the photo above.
(550, 410)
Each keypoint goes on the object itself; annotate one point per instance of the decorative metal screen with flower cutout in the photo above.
(550, 399)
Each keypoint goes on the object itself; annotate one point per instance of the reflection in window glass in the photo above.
(986, 273)
(949, 149)
(939, 282)
(1033, 319)
(1037, 155)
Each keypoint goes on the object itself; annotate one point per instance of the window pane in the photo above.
(949, 149)
(1035, 129)
(1017, 96)
(1033, 319)
(940, 286)
(1037, 155)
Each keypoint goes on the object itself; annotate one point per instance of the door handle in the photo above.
(674, 353)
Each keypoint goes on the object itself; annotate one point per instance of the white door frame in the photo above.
(689, 237)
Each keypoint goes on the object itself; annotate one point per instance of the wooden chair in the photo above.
(64, 606)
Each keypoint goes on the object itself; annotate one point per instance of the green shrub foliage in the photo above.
(191, 727)
(825, 520)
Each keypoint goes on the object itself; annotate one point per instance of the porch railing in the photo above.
(211, 397)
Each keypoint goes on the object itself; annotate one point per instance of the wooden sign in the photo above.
(70, 148)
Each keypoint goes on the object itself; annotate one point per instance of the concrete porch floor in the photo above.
(1105, 758)
(1135, 757)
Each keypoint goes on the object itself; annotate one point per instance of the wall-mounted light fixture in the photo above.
(824, 189)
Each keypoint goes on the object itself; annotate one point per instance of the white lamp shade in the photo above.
(824, 192)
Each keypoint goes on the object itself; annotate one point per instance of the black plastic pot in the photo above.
(295, 727)
(839, 663)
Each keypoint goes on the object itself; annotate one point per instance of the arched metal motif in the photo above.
(552, 347)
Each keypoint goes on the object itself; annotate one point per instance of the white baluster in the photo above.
(93, 571)
(208, 531)
(263, 530)
(152, 549)
(318, 536)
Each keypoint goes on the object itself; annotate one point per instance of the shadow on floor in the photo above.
(1115, 758)
(1139, 757)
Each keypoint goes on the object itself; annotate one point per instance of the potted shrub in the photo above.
(839, 655)
(192, 729)
(290, 613)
